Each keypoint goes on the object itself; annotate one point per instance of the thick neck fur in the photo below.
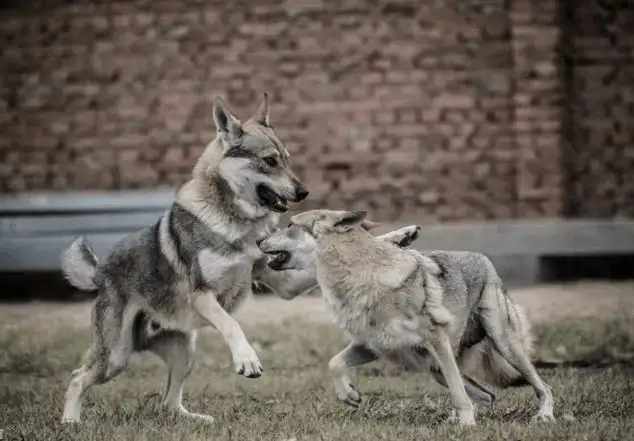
(209, 197)
(347, 261)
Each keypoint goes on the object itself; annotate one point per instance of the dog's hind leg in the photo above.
(177, 351)
(113, 325)
(496, 314)
(510, 349)
(354, 354)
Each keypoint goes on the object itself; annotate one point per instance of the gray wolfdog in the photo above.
(411, 307)
(194, 266)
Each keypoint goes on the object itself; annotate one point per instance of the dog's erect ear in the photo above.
(262, 114)
(369, 225)
(348, 220)
(303, 220)
(224, 120)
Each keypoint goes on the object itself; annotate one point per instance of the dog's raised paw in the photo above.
(250, 368)
(411, 233)
(248, 364)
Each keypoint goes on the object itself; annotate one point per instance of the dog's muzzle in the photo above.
(271, 200)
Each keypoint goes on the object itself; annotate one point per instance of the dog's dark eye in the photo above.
(271, 161)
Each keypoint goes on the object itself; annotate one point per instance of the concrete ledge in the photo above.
(35, 228)
(86, 201)
(518, 247)
(524, 237)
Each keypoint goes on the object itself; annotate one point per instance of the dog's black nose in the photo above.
(259, 241)
(301, 193)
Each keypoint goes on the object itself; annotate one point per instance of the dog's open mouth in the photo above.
(278, 259)
(271, 200)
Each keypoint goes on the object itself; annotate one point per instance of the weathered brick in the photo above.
(445, 119)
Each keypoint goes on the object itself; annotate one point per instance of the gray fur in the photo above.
(410, 307)
(190, 269)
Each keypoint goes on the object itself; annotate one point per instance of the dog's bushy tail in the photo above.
(79, 265)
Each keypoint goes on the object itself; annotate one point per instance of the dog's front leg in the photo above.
(355, 354)
(244, 356)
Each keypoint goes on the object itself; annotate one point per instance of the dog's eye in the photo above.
(271, 161)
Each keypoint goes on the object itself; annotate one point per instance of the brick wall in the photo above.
(449, 110)
(537, 99)
(600, 74)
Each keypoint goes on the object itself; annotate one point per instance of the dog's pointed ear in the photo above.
(369, 225)
(262, 114)
(348, 220)
(224, 119)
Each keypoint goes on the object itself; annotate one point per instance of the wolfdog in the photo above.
(411, 307)
(190, 269)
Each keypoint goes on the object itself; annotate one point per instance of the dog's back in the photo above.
(462, 276)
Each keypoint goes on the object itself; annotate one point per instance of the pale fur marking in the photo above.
(434, 291)
(214, 219)
(77, 270)
(236, 171)
(214, 266)
(167, 244)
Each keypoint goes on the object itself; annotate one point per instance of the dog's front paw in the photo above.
(248, 363)
(348, 394)
(410, 234)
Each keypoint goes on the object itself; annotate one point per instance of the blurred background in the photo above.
(504, 125)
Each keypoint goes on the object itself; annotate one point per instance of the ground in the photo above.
(40, 343)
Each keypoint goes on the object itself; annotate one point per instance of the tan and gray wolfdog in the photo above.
(411, 307)
(190, 269)
(194, 266)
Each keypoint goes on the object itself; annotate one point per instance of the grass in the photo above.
(295, 399)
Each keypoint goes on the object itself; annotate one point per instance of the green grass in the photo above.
(295, 399)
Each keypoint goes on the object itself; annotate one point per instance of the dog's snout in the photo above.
(301, 193)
